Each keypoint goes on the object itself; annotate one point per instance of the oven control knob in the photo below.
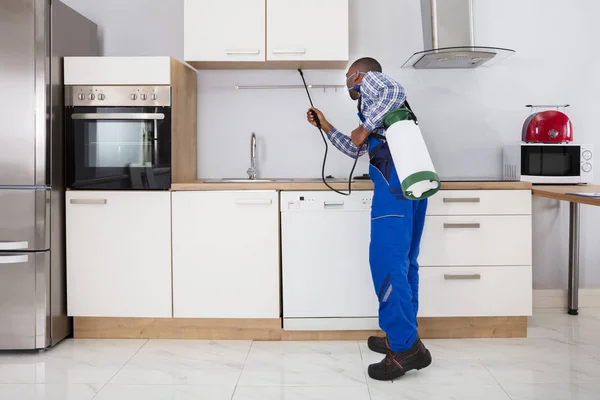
(587, 167)
(133, 96)
(91, 96)
(101, 96)
(587, 155)
(153, 96)
(81, 96)
(143, 97)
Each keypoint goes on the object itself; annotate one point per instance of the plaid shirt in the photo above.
(379, 94)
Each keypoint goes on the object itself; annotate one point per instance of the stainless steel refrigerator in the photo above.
(35, 35)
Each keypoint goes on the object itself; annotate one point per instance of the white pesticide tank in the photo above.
(410, 155)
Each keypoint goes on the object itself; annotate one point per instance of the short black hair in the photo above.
(367, 64)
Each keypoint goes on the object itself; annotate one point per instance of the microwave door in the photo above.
(550, 161)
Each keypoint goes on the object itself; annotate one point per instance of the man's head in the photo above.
(355, 74)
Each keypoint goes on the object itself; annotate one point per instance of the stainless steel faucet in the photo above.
(252, 170)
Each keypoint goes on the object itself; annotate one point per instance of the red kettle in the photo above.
(547, 127)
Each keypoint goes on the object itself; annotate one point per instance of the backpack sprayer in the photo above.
(408, 149)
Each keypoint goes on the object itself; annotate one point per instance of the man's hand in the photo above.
(325, 125)
(359, 135)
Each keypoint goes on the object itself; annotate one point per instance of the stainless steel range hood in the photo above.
(449, 38)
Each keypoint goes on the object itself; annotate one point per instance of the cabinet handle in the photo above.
(14, 245)
(289, 51)
(88, 201)
(474, 225)
(233, 52)
(471, 277)
(14, 259)
(462, 200)
(254, 202)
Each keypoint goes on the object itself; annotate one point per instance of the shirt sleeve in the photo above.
(344, 144)
(386, 94)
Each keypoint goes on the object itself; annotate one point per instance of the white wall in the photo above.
(466, 115)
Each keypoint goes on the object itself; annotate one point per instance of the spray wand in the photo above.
(318, 123)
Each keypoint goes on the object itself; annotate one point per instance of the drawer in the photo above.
(476, 240)
(480, 202)
(475, 291)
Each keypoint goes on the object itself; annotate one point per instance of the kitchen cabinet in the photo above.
(266, 34)
(227, 30)
(226, 254)
(476, 248)
(295, 30)
(476, 240)
(118, 254)
(475, 291)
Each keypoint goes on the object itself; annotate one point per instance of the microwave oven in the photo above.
(549, 163)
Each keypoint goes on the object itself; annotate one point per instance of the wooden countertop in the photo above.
(310, 185)
(559, 192)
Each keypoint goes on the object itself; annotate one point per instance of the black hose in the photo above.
(314, 114)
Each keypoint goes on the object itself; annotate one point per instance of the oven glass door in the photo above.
(554, 160)
(119, 148)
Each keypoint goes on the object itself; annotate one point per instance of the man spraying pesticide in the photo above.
(403, 178)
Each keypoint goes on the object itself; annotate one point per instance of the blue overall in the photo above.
(396, 228)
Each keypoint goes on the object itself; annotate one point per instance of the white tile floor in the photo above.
(560, 361)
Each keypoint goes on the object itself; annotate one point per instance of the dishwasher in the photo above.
(327, 281)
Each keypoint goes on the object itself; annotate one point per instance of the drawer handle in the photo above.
(475, 225)
(233, 52)
(254, 202)
(462, 200)
(88, 201)
(14, 245)
(289, 51)
(471, 277)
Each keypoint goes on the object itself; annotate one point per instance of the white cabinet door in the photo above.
(475, 291)
(119, 254)
(480, 202)
(476, 240)
(226, 254)
(311, 30)
(224, 30)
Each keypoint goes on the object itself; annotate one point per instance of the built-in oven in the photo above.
(118, 137)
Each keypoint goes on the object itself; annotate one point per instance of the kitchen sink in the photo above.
(227, 180)
(265, 180)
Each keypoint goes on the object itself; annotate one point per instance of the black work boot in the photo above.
(395, 365)
(379, 344)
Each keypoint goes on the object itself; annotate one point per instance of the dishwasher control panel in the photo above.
(326, 201)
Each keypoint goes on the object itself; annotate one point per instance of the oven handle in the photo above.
(128, 116)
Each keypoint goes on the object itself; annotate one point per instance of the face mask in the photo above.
(355, 88)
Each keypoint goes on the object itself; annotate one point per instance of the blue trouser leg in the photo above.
(419, 210)
(396, 229)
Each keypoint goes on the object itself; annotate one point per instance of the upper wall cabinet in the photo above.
(311, 30)
(224, 30)
(266, 34)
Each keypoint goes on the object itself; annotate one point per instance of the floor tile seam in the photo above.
(120, 369)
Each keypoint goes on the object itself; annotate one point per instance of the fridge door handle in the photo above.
(14, 245)
(22, 259)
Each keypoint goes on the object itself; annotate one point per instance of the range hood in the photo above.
(449, 38)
